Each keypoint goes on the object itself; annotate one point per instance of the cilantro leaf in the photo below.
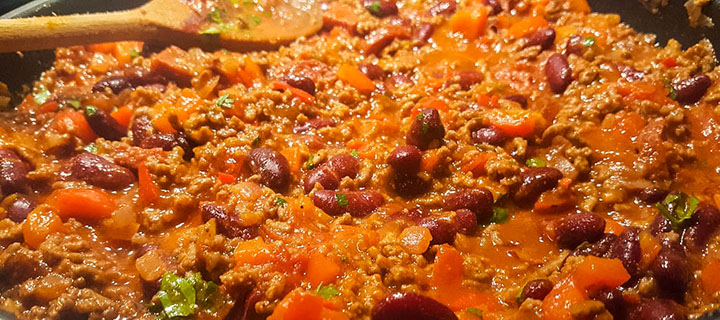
(475, 311)
(225, 101)
(678, 207)
(134, 53)
(374, 7)
(341, 199)
(672, 94)
(327, 292)
(589, 41)
(281, 202)
(180, 297)
(74, 103)
(354, 153)
(90, 111)
(309, 164)
(91, 148)
(536, 162)
(499, 215)
(215, 16)
(256, 141)
(41, 96)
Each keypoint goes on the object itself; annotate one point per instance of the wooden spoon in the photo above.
(171, 22)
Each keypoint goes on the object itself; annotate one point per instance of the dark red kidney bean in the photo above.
(574, 45)
(465, 221)
(13, 176)
(652, 195)
(410, 185)
(425, 129)
(545, 38)
(627, 249)
(442, 229)
(372, 71)
(10, 154)
(405, 159)
(443, 7)
(303, 83)
(479, 201)
(313, 124)
(671, 271)
(381, 8)
(411, 306)
(613, 300)
(344, 165)
(535, 181)
(140, 128)
(536, 289)
(115, 83)
(97, 171)
(658, 309)
(703, 225)
(19, 209)
(414, 214)
(357, 203)
(558, 73)
(520, 99)
(272, 167)
(629, 73)
(228, 225)
(324, 176)
(660, 224)
(494, 5)
(103, 124)
(424, 32)
(144, 249)
(490, 135)
(601, 248)
(467, 78)
(575, 229)
(692, 89)
(168, 141)
(382, 37)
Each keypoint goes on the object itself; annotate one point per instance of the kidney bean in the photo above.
(692, 89)
(19, 209)
(313, 124)
(490, 135)
(465, 221)
(627, 249)
(575, 229)
(601, 248)
(144, 249)
(381, 8)
(303, 83)
(115, 83)
(382, 37)
(229, 225)
(704, 223)
(13, 176)
(520, 99)
(658, 309)
(424, 32)
(411, 306)
(671, 271)
(536, 289)
(442, 230)
(479, 201)
(629, 73)
(414, 214)
(132, 79)
(574, 45)
(425, 129)
(97, 171)
(103, 124)
(410, 185)
(272, 167)
(443, 7)
(535, 181)
(405, 159)
(372, 71)
(545, 38)
(10, 154)
(167, 141)
(652, 195)
(324, 176)
(660, 224)
(558, 73)
(344, 165)
(613, 300)
(466, 79)
(140, 128)
(495, 6)
(357, 203)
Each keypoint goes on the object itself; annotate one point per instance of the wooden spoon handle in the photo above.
(50, 32)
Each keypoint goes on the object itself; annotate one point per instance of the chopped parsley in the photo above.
(215, 17)
(425, 127)
(310, 164)
(256, 141)
(678, 207)
(374, 7)
(211, 30)
(673, 93)
(536, 162)
(499, 215)
(474, 311)
(225, 101)
(281, 202)
(341, 199)
(90, 111)
(134, 53)
(92, 148)
(74, 103)
(41, 96)
(589, 41)
(354, 153)
(180, 297)
(327, 292)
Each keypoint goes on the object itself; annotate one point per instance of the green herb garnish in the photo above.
(225, 101)
(90, 111)
(672, 94)
(354, 153)
(536, 162)
(180, 297)
(499, 215)
(41, 96)
(341, 199)
(92, 148)
(474, 311)
(211, 30)
(256, 141)
(678, 207)
(134, 53)
(374, 7)
(215, 17)
(310, 164)
(74, 103)
(589, 41)
(327, 292)
(281, 202)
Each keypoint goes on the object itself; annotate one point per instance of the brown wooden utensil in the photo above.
(165, 21)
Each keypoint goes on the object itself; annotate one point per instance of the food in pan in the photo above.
(494, 159)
